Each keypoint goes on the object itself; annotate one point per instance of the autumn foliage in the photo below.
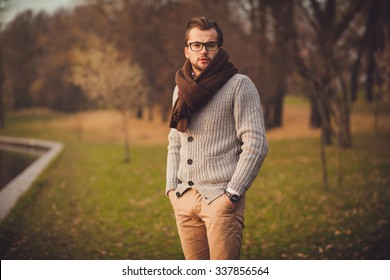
(323, 50)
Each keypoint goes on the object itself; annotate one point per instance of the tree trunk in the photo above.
(345, 139)
(315, 118)
(372, 29)
(125, 117)
(2, 115)
(2, 107)
(356, 69)
(283, 15)
(323, 158)
(370, 78)
(278, 111)
(325, 128)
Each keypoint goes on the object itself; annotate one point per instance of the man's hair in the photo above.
(203, 23)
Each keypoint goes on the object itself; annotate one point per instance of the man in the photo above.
(217, 145)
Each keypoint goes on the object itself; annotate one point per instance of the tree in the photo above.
(50, 87)
(382, 59)
(108, 77)
(270, 27)
(20, 51)
(3, 8)
(321, 60)
(378, 23)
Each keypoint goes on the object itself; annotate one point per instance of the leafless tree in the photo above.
(108, 77)
(271, 28)
(321, 60)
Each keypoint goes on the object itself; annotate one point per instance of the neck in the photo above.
(195, 73)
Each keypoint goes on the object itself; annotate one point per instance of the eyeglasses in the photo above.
(198, 46)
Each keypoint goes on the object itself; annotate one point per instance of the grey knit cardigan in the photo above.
(224, 146)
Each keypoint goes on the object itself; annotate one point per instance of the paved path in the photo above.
(10, 194)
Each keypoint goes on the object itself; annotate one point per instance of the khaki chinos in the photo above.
(208, 231)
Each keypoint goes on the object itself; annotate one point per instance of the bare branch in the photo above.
(345, 21)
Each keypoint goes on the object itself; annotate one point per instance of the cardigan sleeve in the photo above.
(250, 130)
(173, 158)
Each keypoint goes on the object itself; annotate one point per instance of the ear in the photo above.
(187, 52)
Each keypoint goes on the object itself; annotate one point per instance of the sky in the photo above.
(17, 6)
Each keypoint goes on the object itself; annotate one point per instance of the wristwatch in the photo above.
(234, 198)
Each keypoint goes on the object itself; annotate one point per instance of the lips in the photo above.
(204, 59)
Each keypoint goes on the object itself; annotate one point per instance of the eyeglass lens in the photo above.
(198, 46)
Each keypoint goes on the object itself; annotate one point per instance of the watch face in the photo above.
(235, 198)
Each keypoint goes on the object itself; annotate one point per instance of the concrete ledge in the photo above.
(10, 194)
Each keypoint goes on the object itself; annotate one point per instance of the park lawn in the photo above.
(89, 204)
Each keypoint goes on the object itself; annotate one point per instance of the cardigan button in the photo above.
(189, 161)
(190, 139)
(177, 194)
(190, 183)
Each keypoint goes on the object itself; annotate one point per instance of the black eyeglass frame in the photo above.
(204, 45)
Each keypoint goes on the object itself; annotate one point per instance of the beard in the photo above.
(199, 66)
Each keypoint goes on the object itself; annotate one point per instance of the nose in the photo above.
(204, 50)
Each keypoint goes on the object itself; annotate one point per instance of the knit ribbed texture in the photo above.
(224, 146)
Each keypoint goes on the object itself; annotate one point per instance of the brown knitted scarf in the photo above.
(195, 93)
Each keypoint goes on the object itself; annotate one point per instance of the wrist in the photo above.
(233, 197)
(230, 190)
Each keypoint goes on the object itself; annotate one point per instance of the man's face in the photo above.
(199, 60)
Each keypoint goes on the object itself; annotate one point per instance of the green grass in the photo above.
(291, 215)
(90, 205)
